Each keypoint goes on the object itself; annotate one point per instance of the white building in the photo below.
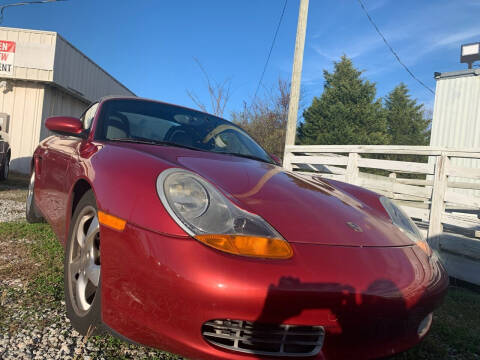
(41, 75)
(456, 116)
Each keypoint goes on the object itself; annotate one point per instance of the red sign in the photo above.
(7, 53)
(7, 46)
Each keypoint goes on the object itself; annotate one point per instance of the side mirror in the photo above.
(276, 159)
(65, 125)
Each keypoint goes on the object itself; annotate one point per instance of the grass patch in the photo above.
(455, 333)
(45, 251)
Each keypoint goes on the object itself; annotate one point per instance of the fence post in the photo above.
(351, 174)
(287, 160)
(437, 208)
(393, 178)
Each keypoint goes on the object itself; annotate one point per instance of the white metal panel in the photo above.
(24, 104)
(76, 72)
(456, 116)
(34, 53)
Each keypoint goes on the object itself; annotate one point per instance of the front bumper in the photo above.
(159, 291)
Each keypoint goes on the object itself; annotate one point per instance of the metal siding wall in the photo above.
(21, 36)
(57, 102)
(456, 114)
(74, 71)
(456, 119)
(24, 105)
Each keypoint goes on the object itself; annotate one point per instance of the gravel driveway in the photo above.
(12, 202)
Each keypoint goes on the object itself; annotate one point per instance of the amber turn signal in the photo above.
(253, 246)
(111, 221)
(425, 247)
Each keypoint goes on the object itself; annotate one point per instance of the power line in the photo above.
(391, 49)
(270, 52)
(3, 7)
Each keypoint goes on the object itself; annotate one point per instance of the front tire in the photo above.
(32, 213)
(5, 169)
(82, 284)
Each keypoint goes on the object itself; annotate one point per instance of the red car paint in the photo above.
(64, 124)
(369, 289)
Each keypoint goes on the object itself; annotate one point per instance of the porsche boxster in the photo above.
(182, 233)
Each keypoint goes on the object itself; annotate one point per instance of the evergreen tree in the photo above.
(406, 122)
(346, 113)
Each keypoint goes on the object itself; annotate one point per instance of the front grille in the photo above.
(264, 339)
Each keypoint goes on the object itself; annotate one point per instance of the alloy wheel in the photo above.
(84, 261)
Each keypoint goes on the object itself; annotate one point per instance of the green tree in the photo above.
(347, 112)
(407, 123)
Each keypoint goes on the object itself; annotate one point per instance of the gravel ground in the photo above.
(47, 334)
(12, 199)
(11, 210)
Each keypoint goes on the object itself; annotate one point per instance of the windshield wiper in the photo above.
(154, 142)
(139, 141)
(252, 157)
(169, 143)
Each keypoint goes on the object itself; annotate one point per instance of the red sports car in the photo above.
(182, 233)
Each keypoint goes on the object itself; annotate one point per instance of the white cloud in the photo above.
(375, 4)
(457, 38)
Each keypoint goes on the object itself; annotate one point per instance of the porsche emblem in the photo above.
(354, 227)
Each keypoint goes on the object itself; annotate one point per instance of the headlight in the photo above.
(404, 223)
(207, 215)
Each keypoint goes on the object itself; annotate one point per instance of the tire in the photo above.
(5, 169)
(32, 214)
(82, 268)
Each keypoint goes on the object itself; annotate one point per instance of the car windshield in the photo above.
(143, 121)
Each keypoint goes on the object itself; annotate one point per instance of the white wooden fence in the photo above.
(442, 196)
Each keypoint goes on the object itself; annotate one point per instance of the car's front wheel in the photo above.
(82, 265)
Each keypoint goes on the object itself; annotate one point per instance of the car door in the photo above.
(59, 158)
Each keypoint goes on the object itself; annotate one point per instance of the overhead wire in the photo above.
(3, 7)
(270, 51)
(392, 50)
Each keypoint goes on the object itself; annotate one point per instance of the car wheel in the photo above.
(32, 213)
(5, 169)
(82, 283)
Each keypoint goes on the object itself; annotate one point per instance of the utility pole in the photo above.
(296, 75)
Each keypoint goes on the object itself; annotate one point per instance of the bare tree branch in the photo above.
(218, 93)
(196, 100)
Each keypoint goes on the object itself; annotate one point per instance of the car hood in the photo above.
(301, 210)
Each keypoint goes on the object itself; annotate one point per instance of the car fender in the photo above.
(124, 183)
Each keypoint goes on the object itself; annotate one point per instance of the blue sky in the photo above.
(150, 45)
